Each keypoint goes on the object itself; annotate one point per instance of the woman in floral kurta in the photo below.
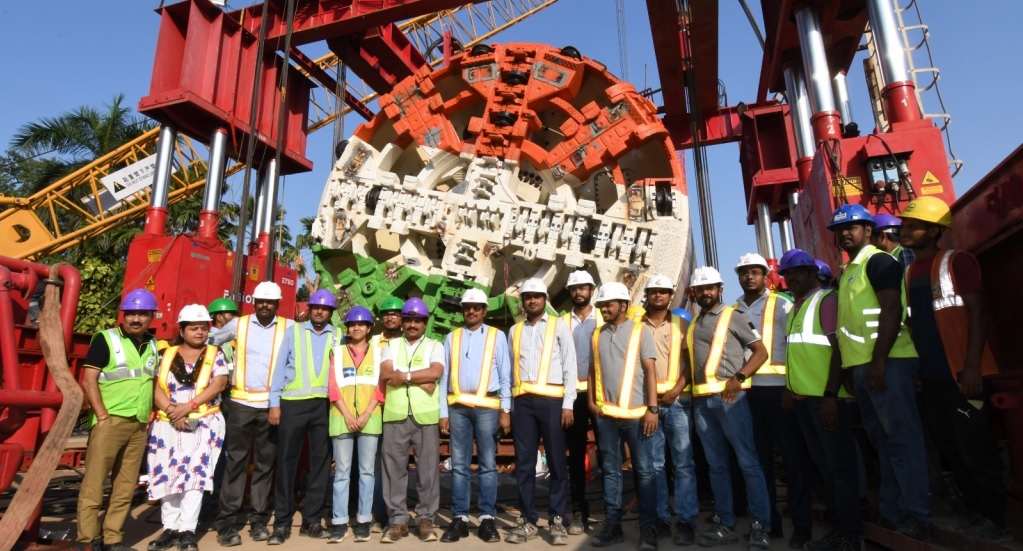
(186, 438)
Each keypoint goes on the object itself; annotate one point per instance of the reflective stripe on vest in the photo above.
(583, 384)
(944, 292)
(401, 401)
(356, 384)
(307, 382)
(201, 381)
(809, 351)
(770, 366)
(478, 398)
(674, 356)
(621, 409)
(711, 384)
(120, 368)
(541, 386)
(239, 391)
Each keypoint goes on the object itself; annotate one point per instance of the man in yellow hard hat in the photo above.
(949, 320)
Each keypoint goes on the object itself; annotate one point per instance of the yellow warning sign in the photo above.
(930, 179)
(154, 255)
(254, 273)
(845, 187)
(932, 190)
(150, 283)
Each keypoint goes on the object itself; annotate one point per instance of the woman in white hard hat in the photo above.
(186, 438)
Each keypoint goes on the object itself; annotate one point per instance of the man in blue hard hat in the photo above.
(299, 408)
(118, 383)
(875, 344)
(886, 238)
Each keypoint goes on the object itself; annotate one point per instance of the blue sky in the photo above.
(74, 53)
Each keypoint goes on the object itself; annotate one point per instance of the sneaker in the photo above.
(609, 535)
(315, 531)
(663, 529)
(719, 534)
(455, 531)
(229, 538)
(985, 529)
(278, 536)
(648, 534)
(425, 529)
(168, 539)
(685, 535)
(188, 542)
(758, 538)
(488, 531)
(559, 536)
(337, 533)
(800, 537)
(258, 532)
(577, 526)
(915, 529)
(394, 533)
(361, 531)
(523, 531)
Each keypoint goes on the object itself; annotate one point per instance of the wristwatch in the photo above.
(505, 410)
(653, 409)
(740, 377)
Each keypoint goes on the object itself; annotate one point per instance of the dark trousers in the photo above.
(301, 419)
(772, 424)
(963, 437)
(249, 432)
(838, 455)
(576, 440)
(535, 418)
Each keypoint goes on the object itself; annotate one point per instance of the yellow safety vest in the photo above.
(478, 398)
(356, 384)
(541, 386)
(308, 383)
(126, 382)
(239, 391)
(583, 384)
(711, 384)
(770, 367)
(674, 355)
(619, 409)
(410, 399)
(201, 382)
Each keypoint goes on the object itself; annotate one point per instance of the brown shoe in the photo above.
(426, 531)
(394, 533)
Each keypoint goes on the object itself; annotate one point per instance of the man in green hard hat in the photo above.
(389, 314)
(223, 310)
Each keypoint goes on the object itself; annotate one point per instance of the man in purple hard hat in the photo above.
(886, 238)
(118, 382)
(300, 408)
(824, 274)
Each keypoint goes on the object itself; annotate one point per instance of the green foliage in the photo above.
(101, 291)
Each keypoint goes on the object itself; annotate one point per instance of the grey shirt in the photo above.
(613, 344)
(741, 333)
(582, 336)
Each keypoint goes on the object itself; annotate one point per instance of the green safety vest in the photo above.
(858, 311)
(356, 385)
(126, 382)
(402, 401)
(808, 352)
(308, 383)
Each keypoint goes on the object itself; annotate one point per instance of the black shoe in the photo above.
(488, 531)
(361, 531)
(278, 536)
(684, 534)
(338, 533)
(229, 538)
(609, 535)
(258, 532)
(315, 531)
(455, 531)
(663, 529)
(188, 542)
(915, 529)
(800, 537)
(648, 534)
(168, 539)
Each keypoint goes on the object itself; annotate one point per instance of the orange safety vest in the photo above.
(619, 409)
(239, 391)
(711, 384)
(951, 316)
(478, 398)
(674, 356)
(201, 382)
(583, 384)
(541, 386)
(770, 367)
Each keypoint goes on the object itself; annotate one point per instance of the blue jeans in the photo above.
(720, 425)
(343, 447)
(675, 427)
(772, 425)
(892, 423)
(468, 424)
(610, 434)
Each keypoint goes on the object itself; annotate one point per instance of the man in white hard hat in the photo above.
(773, 425)
(543, 399)
(718, 338)
(582, 321)
(623, 401)
(259, 338)
(475, 402)
(675, 413)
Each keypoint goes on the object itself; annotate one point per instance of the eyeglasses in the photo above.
(473, 307)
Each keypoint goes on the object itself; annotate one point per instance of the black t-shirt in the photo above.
(99, 353)
(884, 272)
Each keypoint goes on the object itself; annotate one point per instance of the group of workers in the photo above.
(771, 370)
